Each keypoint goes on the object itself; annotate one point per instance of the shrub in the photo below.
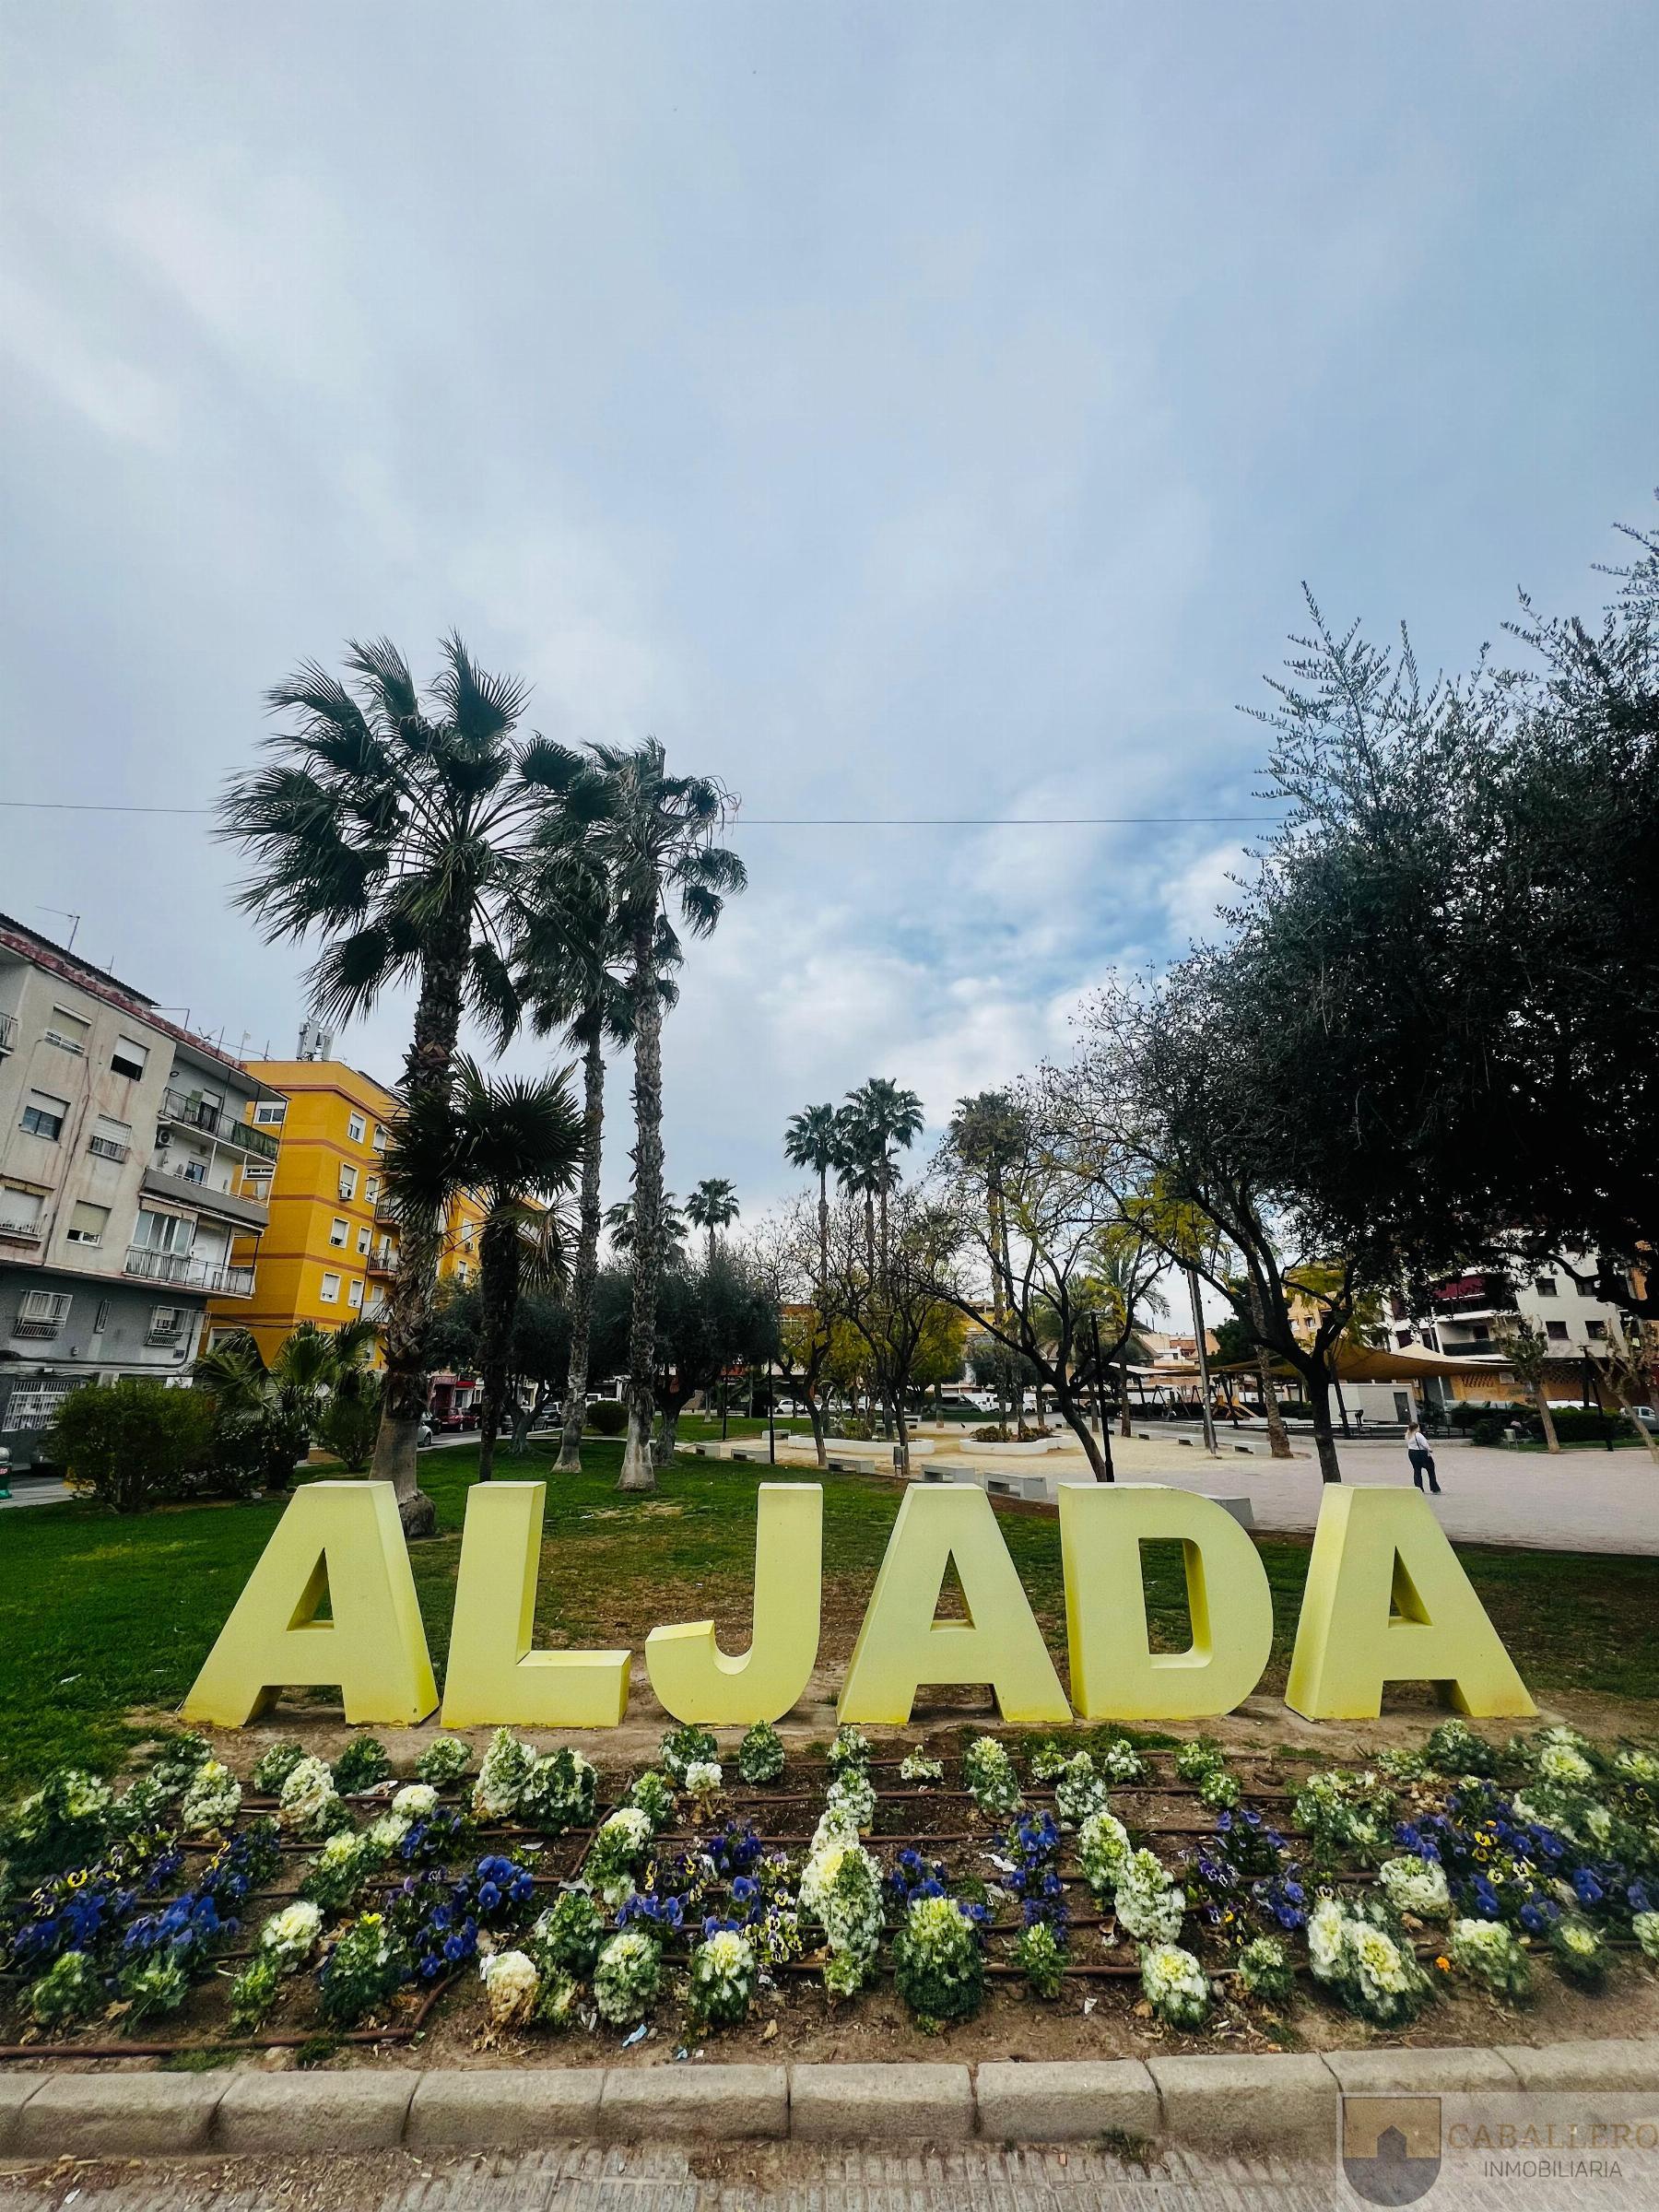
(566, 1938)
(131, 1443)
(349, 1422)
(361, 1765)
(607, 1417)
(722, 1979)
(938, 1966)
(1040, 1957)
(557, 1791)
(627, 1976)
(760, 1754)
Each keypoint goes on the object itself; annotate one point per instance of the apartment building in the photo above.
(330, 1250)
(130, 1191)
(1468, 1314)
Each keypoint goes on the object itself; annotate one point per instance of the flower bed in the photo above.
(528, 1895)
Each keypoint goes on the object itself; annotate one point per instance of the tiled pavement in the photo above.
(756, 2177)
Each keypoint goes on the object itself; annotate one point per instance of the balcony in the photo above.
(193, 1113)
(8, 1031)
(43, 1330)
(107, 1147)
(175, 1184)
(182, 1271)
(381, 1268)
(20, 1232)
(385, 1213)
(1469, 1295)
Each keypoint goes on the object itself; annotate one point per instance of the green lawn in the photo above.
(100, 1615)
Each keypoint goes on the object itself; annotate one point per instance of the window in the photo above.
(20, 1210)
(270, 1113)
(461, 1273)
(348, 1182)
(87, 1223)
(354, 1295)
(164, 1233)
(357, 1128)
(165, 1324)
(1555, 1331)
(1403, 1335)
(67, 1029)
(380, 1137)
(43, 1115)
(330, 1292)
(110, 1140)
(41, 1312)
(363, 1241)
(371, 1189)
(1596, 1331)
(340, 1230)
(1545, 1285)
(102, 1319)
(129, 1058)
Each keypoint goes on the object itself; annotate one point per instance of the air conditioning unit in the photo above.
(163, 1138)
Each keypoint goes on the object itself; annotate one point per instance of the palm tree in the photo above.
(712, 1207)
(620, 1226)
(810, 1142)
(1130, 1293)
(572, 966)
(283, 1401)
(986, 1133)
(888, 1120)
(858, 1171)
(389, 822)
(517, 1145)
(653, 835)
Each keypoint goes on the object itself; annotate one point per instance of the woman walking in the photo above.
(1422, 1457)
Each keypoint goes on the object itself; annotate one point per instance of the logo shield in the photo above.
(1391, 2146)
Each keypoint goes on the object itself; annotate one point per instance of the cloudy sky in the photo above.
(900, 409)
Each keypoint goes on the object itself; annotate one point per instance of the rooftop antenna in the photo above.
(67, 916)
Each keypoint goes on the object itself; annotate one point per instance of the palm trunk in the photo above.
(427, 1069)
(1279, 1437)
(586, 1271)
(823, 1290)
(638, 1473)
(498, 1303)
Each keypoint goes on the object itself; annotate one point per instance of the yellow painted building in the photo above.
(329, 1249)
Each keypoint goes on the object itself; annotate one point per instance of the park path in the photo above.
(1581, 1500)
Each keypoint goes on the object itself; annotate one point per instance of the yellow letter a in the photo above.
(1386, 1601)
(1115, 1675)
(344, 1538)
(900, 1644)
(493, 1679)
(692, 1677)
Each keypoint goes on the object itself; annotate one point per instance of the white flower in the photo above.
(511, 1983)
(915, 1766)
(306, 1795)
(1640, 1767)
(212, 1800)
(1102, 1848)
(704, 1779)
(853, 1794)
(416, 1801)
(1147, 1902)
(1562, 1763)
(1079, 1792)
(290, 1935)
(1325, 1937)
(1175, 1985)
(1416, 1885)
(385, 1834)
(1645, 1927)
(501, 1776)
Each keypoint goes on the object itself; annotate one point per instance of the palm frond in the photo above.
(481, 707)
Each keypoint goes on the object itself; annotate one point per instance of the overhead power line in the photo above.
(786, 821)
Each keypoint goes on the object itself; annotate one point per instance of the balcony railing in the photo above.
(8, 1031)
(187, 1273)
(194, 1112)
(107, 1147)
(20, 1232)
(23, 1326)
(381, 1266)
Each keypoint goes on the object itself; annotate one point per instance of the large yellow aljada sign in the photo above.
(1386, 1601)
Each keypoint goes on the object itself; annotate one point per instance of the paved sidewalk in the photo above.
(756, 2177)
(1581, 1500)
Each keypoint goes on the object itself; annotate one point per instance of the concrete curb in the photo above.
(1283, 2101)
